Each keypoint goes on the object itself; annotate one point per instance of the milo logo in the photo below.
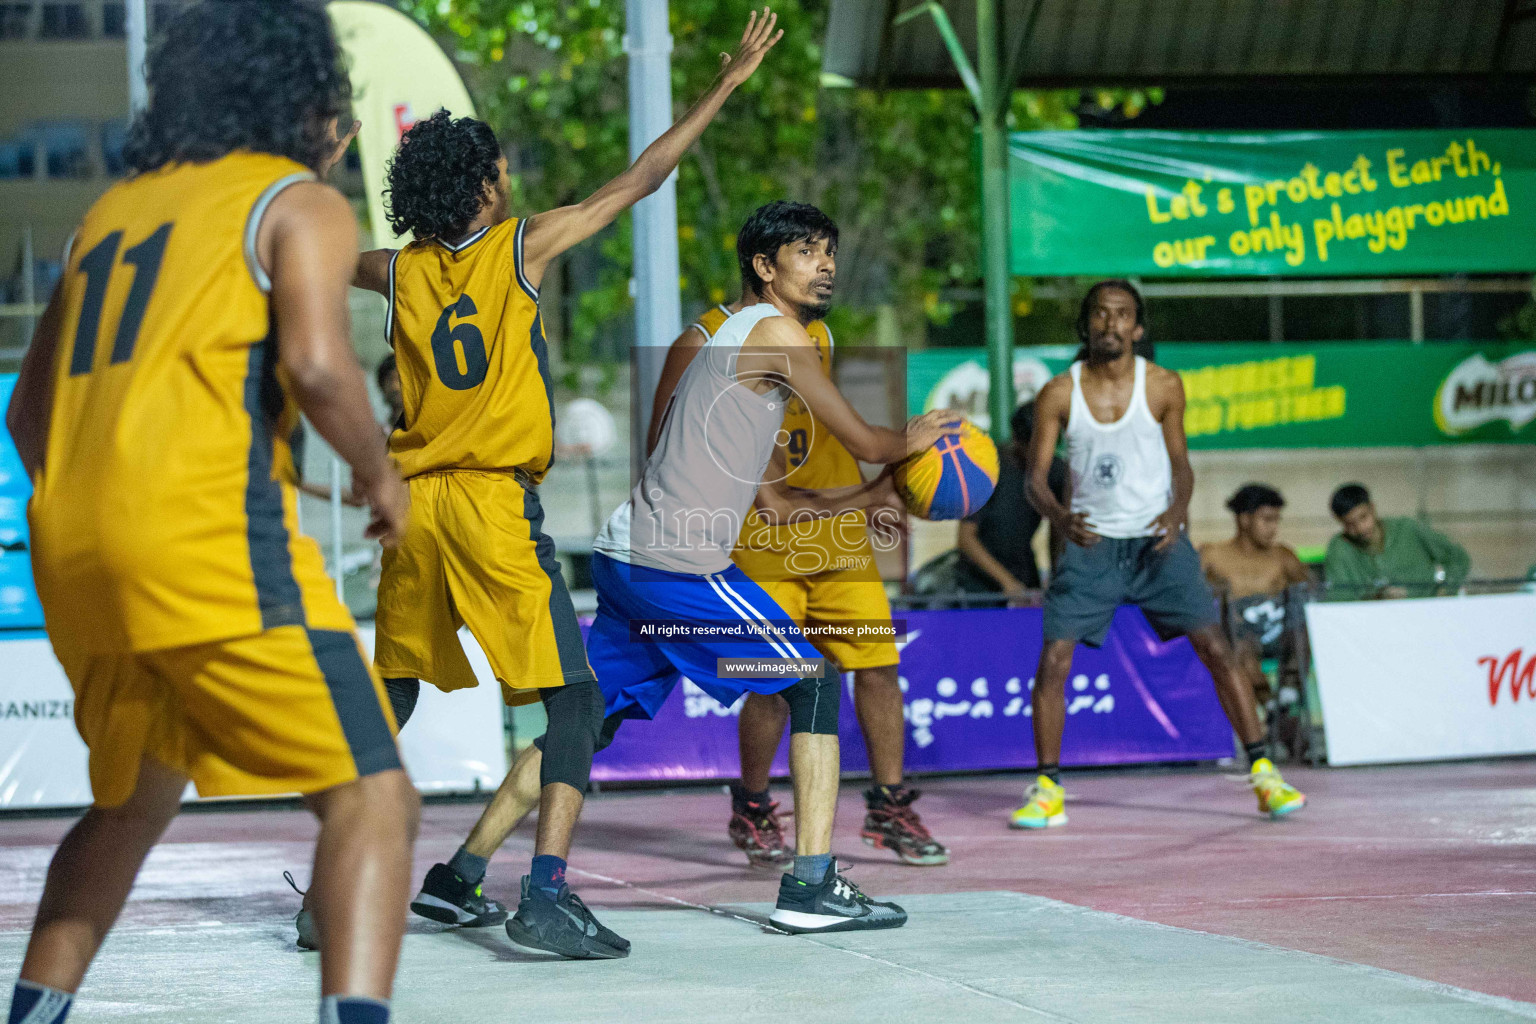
(1478, 392)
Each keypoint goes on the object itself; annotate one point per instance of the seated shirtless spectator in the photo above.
(1252, 572)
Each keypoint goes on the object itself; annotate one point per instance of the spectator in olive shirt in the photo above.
(995, 542)
(1395, 557)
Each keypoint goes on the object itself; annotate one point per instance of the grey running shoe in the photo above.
(448, 898)
(832, 905)
(563, 925)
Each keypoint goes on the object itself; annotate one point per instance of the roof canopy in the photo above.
(1079, 43)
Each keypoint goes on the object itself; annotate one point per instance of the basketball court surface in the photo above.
(1399, 894)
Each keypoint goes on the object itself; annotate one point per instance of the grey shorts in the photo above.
(1090, 583)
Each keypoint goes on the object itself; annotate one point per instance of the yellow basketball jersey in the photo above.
(816, 460)
(164, 515)
(474, 367)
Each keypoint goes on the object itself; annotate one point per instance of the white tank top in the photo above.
(686, 511)
(1121, 476)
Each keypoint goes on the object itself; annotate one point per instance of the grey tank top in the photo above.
(685, 513)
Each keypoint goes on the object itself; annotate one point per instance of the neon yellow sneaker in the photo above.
(1276, 797)
(1044, 806)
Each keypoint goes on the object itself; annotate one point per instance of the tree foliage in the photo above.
(896, 170)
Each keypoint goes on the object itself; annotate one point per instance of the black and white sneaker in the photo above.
(563, 925)
(448, 898)
(832, 905)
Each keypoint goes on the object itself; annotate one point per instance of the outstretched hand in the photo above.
(340, 143)
(756, 40)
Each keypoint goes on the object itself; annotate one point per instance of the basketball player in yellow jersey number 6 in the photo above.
(819, 571)
(477, 438)
(203, 304)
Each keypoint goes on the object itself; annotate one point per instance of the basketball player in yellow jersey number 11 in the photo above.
(476, 439)
(203, 305)
(1122, 417)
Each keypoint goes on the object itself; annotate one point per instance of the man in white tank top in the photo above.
(1122, 418)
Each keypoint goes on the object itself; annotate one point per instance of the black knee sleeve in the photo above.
(575, 713)
(813, 704)
(403, 694)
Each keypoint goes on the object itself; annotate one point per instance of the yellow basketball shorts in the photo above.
(810, 600)
(475, 554)
(289, 710)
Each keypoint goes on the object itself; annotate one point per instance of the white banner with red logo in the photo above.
(455, 742)
(1426, 680)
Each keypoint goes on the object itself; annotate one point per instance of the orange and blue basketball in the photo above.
(953, 478)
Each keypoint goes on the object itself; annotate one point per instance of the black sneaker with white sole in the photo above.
(448, 898)
(832, 905)
(563, 925)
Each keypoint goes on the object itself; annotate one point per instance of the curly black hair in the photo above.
(226, 75)
(775, 225)
(435, 184)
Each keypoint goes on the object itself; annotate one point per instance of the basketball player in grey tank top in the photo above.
(1122, 418)
(664, 556)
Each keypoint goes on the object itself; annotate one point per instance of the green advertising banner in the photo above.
(1329, 395)
(1353, 204)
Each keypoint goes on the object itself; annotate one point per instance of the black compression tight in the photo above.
(403, 694)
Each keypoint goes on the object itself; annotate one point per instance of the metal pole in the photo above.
(658, 305)
(336, 546)
(136, 27)
(994, 213)
(1416, 316)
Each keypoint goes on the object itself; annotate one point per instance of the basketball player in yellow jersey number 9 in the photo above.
(819, 571)
(203, 304)
(476, 439)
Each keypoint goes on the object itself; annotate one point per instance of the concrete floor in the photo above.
(1402, 894)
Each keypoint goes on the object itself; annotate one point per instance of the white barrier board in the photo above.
(455, 743)
(1426, 680)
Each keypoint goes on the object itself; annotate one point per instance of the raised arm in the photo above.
(373, 271)
(679, 357)
(308, 242)
(550, 234)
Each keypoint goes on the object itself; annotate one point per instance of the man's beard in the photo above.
(813, 311)
(1096, 349)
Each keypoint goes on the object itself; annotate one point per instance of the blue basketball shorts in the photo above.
(637, 673)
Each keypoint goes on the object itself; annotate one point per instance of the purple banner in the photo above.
(966, 675)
